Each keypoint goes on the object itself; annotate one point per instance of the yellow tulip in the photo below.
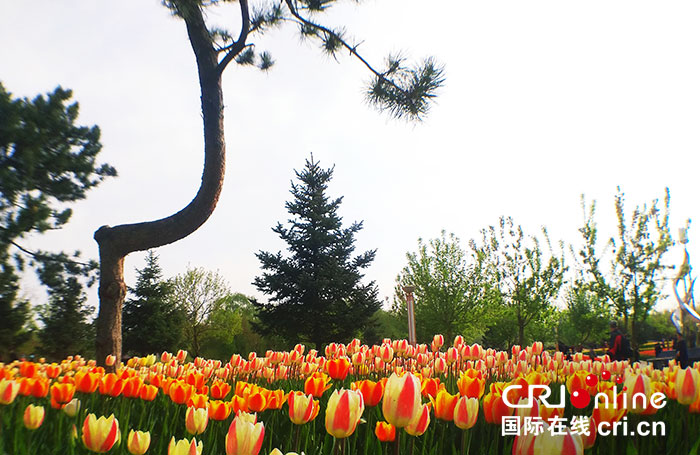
(33, 416)
(185, 447)
(138, 442)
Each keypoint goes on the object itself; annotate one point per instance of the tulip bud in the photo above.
(465, 412)
(196, 420)
(385, 432)
(33, 416)
(687, 385)
(138, 442)
(72, 407)
(185, 447)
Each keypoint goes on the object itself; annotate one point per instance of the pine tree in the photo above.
(316, 293)
(153, 322)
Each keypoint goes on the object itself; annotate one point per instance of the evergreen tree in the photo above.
(153, 322)
(316, 293)
(46, 163)
(66, 330)
(14, 315)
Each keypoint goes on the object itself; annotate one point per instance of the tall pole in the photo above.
(411, 314)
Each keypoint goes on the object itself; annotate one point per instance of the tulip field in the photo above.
(392, 398)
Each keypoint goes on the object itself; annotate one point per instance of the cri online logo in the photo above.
(580, 398)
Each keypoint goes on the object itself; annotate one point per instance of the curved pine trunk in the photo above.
(115, 243)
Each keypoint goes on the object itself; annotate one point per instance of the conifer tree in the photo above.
(153, 322)
(316, 293)
(66, 328)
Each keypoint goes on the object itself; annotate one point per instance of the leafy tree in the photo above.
(66, 329)
(200, 292)
(450, 289)
(153, 322)
(401, 90)
(316, 293)
(585, 319)
(225, 322)
(527, 282)
(656, 327)
(384, 324)
(46, 163)
(630, 285)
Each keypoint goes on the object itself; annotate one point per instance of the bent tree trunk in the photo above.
(115, 243)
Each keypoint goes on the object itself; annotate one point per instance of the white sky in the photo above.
(544, 101)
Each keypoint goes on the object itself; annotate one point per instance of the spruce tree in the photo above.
(153, 322)
(66, 328)
(316, 293)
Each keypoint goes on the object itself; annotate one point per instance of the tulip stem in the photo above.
(336, 446)
(296, 438)
(397, 443)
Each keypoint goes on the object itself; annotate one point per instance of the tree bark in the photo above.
(115, 243)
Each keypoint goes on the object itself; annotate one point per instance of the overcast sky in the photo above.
(544, 101)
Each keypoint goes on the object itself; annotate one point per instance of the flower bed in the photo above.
(355, 399)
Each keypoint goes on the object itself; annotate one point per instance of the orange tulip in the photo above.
(338, 368)
(275, 399)
(316, 384)
(385, 432)
(608, 411)
(239, 404)
(495, 408)
(100, 435)
(430, 387)
(401, 401)
(138, 442)
(444, 405)
(61, 394)
(302, 408)
(219, 390)
(343, 412)
(245, 436)
(33, 416)
(148, 392)
(198, 401)
(465, 412)
(86, 382)
(471, 384)
(180, 392)
(257, 401)
(132, 387)
(111, 385)
(219, 410)
(371, 391)
(28, 369)
(52, 371)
